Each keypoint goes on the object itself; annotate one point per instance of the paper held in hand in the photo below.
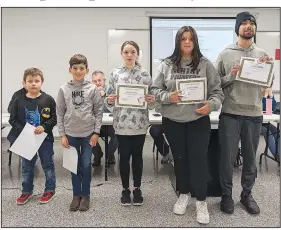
(193, 91)
(28, 143)
(131, 96)
(70, 159)
(251, 71)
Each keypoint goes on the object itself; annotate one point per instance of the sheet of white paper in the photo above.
(70, 159)
(28, 143)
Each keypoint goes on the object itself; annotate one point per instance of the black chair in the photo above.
(155, 158)
(10, 158)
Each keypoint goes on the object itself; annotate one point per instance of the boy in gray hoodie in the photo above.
(79, 115)
(241, 116)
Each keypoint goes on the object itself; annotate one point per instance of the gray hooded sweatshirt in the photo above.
(128, 121)
(79, 109)
(241, 98)
(165, 84)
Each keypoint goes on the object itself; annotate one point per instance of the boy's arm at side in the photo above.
(97, 110)
(13, 120)
(50, 123)
(60, 109)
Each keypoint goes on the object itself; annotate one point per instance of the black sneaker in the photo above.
(250, 204)
(227, 204)
(126, 197)
(137, 199)
(96, 162)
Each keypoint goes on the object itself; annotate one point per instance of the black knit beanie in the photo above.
(243, 16)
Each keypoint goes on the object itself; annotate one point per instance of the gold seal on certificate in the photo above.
(131, 96)
(253, 72)
(193, 90)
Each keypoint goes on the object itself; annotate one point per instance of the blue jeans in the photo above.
(82, 181)
(45, 152)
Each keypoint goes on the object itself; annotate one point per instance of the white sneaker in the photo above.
(202, 212)
(180, 205)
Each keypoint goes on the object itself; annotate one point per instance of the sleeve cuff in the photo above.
(44, 126)
(212, 106)
(62, 134)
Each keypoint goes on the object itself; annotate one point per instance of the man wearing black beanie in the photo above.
(241, 115)
(240, 18)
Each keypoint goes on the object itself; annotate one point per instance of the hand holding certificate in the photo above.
(255, 72)
(131, 96)
(193, 90)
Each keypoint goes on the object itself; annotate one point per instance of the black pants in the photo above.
(189, 144)
(112, 145)
(156, 131)
(131, 145)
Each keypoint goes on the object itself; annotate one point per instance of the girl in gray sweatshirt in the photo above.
(130, 124)
(187, 126)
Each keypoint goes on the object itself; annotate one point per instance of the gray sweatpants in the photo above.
(231, 130)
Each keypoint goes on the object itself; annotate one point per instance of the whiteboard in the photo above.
(116, 37)
(270, 41)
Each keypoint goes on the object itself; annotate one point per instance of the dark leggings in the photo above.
(131, 145)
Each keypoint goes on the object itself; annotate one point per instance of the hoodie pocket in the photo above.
(246, 94)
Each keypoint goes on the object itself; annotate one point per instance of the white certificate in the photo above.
(131, 96)
(70, 159)
(28, 143)
(255, 73)
(193, 90)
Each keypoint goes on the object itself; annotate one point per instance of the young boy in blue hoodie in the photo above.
(33, 106)
(79, 111)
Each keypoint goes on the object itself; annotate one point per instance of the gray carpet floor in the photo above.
(106, 211)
